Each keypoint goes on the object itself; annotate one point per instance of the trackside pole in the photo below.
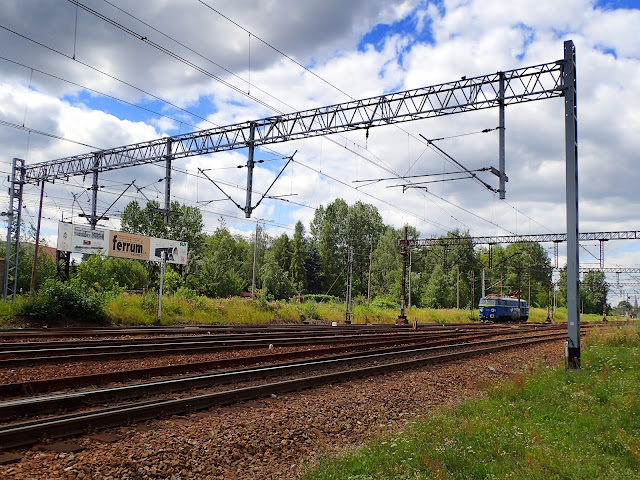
(573, 260)
(402, 318)
(163, 262)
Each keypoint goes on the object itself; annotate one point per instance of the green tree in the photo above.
(438, 293)
(186, 227)
(275, 281)
(297, 267)
(220, 265)
(593, 292)
(386, 269)
(110, 272)
(282, 251)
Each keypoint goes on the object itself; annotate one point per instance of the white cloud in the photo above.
(471, 37)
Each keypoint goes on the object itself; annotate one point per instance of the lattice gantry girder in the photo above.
(543, 238)
(521, 85)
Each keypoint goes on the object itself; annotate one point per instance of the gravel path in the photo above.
(274, 438)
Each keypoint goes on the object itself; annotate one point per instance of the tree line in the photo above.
(314, 262)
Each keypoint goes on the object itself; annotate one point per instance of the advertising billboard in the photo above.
(176, 251)
(81, 239)
(128, 245)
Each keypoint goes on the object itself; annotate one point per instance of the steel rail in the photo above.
(21, 358)
(31, 387)
(27, 433)
(73, 401)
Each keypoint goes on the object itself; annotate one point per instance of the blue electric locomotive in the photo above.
(496, 308)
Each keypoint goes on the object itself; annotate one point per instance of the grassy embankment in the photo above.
(128, 309)
(135, 310)
(549, 424)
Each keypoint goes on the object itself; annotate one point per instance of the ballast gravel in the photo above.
(278, 437)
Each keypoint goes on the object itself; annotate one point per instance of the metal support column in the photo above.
(63, 262)
(490, 257)
(409, 280)
(555, 255)
(347, 319)
(501, 148)
(32, 286)
(602, 253)
(93, 220)
(13, 228)
(573, 260)
(402, 318)
(167, 184)
(250, 164)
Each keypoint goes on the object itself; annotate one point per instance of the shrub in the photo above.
(384, 303)
(68, 300)
(309, 310)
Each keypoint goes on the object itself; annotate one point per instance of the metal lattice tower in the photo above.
(14, 214)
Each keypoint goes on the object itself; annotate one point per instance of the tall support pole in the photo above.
(347, 319)
(163, 263)
(255, 253)
(573, 260)
(555, 255)
(402, 318)
(93, 220)
(501, 148)
(457, 287)
(482, 291)
(409, 280)
(490, 256)
(167, 183)
(473, 295)
(370, 265)
(250, 164)
(13, 228)
(602, 253)
(32, 286)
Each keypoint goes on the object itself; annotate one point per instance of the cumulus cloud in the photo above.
(422, 43)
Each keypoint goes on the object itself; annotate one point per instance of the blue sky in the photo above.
(357, 49)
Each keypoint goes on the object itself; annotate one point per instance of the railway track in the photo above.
(14, 354)
(299, 375)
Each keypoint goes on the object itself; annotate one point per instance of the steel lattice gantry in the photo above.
(539, 82)
(521, 85)
(541, 238)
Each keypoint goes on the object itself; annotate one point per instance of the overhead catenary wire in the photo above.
(77, 3)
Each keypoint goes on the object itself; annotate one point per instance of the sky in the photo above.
(72, 82)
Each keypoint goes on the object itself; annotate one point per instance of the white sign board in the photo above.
(81, 239)
(176, 251)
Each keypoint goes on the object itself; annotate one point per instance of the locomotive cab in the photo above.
(498, 308)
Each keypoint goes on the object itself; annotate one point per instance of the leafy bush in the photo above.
(171, 282)
(71, 300)
(384, 303)
(309, 310)
(150, 302)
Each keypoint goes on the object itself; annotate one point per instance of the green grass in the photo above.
(550, 424)
(132, 309)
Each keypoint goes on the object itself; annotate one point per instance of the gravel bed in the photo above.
(93, 367)
(44, 372)
(274, 438)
